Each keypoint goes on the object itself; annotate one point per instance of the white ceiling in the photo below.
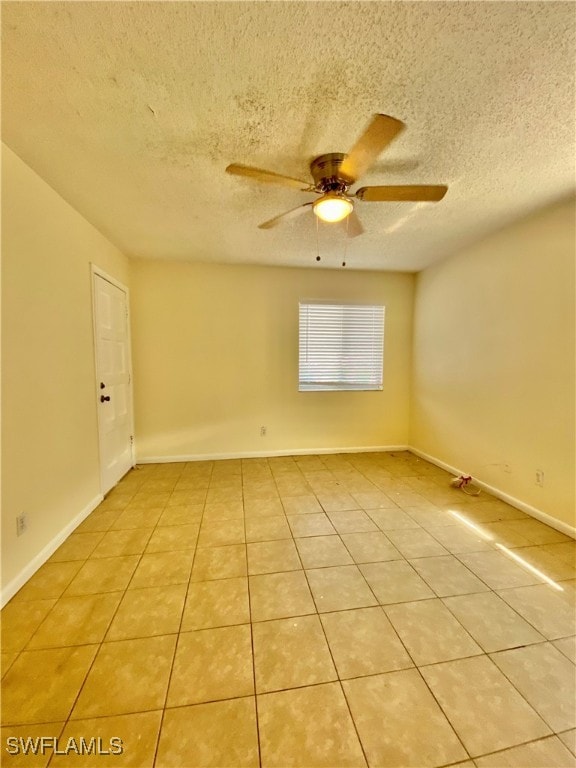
(132, 111)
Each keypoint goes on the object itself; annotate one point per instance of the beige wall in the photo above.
(49, 431)
(494, 356)
(215, 351)
(215, 357)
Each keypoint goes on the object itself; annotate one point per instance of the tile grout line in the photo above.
(519, 692)
(303, 569)
(59, 736)
(497, 650)
(81, 687)
(258, 740)
(101, 643)
(177, 643)
(319, 619)
(525, 618)
(414, 664)
(513, 746)
(409, 656)
(62, 595)
(484, 653)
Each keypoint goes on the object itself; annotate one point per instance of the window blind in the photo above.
(341, 346)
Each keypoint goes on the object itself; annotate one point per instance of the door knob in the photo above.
(103, 398)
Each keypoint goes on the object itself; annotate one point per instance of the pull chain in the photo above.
(318, 240)
(346, 241)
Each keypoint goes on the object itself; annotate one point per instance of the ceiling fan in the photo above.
(334, 173)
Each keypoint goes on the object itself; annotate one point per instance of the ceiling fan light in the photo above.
(333, 207)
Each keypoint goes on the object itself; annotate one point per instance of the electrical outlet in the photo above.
(262, 431)
(21, 524)
(540, 477)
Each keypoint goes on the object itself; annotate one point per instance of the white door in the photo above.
(113, 381)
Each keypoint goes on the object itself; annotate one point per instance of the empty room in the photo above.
(288, 384)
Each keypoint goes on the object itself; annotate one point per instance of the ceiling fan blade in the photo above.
(429, 193)
(283, 216)
(352, 225)
(268, 177)
(379, 133)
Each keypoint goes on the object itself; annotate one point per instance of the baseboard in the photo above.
(29, 570)
(544, 517)
(266, 454)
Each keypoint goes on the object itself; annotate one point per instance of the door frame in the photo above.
(96, 271)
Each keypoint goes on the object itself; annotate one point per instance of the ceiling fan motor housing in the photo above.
(327, 175)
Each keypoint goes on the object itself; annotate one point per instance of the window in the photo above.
(341, 346)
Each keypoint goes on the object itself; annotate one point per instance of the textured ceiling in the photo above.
(132, 111)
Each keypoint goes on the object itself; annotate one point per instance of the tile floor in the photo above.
(341, 610)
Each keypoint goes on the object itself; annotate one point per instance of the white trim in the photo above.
(96, 270)
(265, 454)
(544, 517)
(30, 569)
